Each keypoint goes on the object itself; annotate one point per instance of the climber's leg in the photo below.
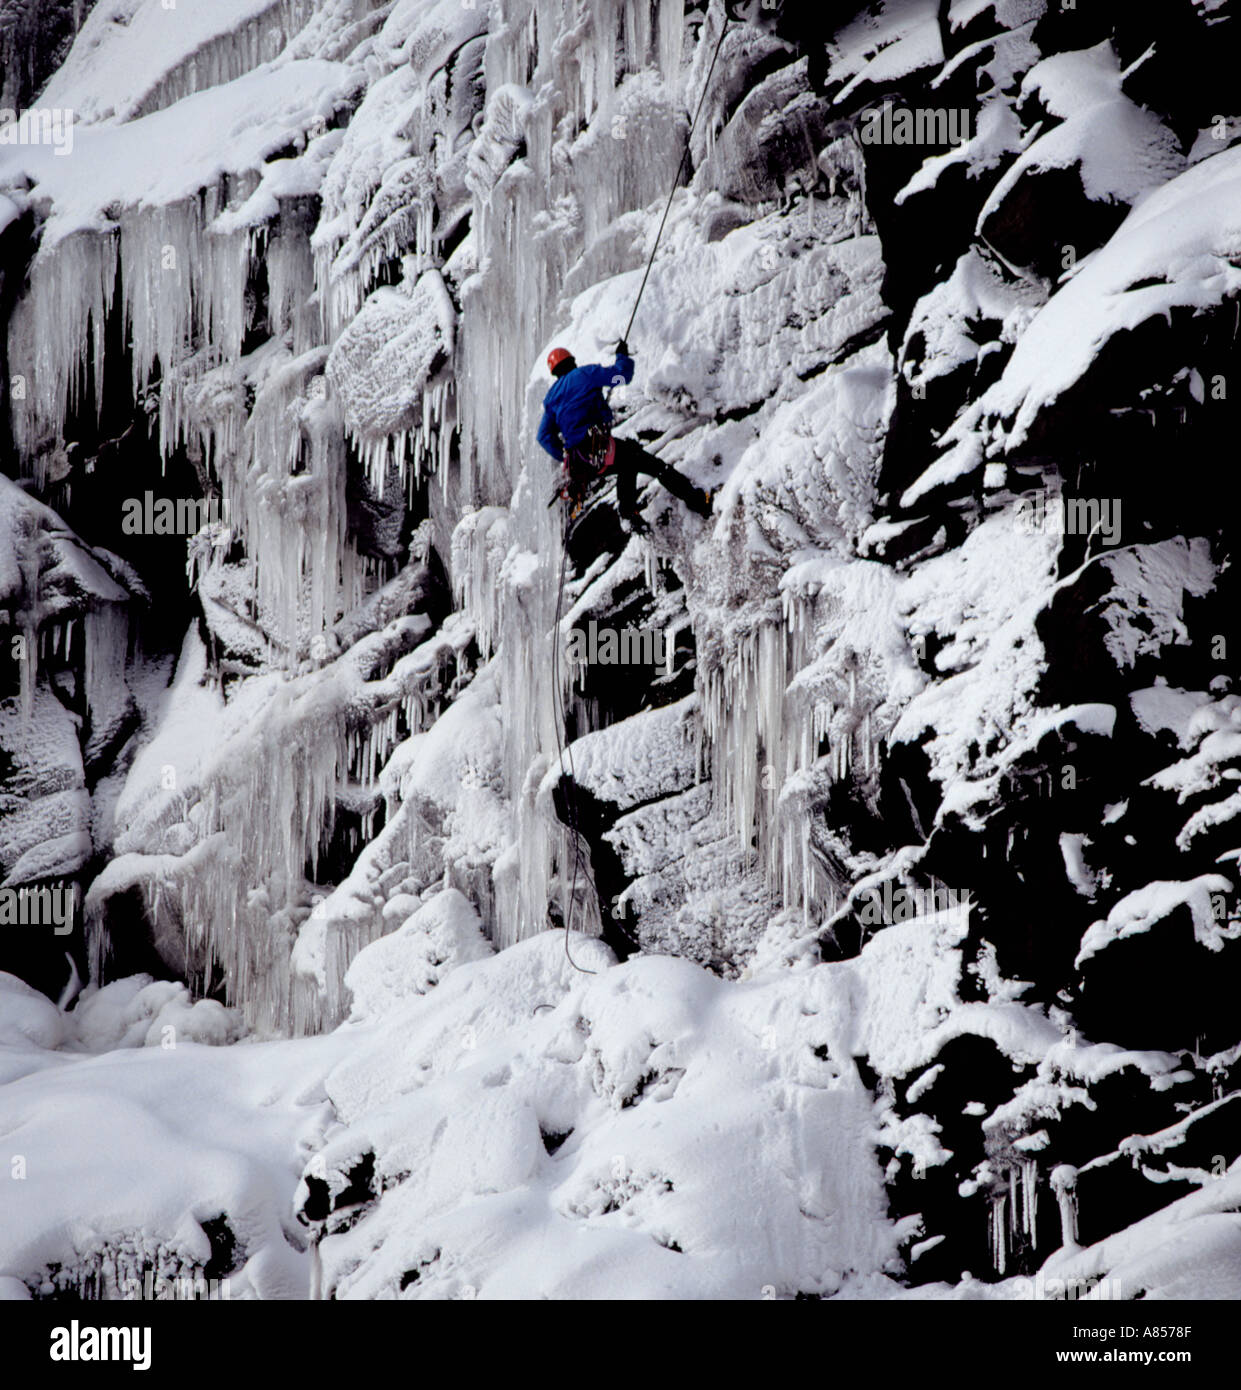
(624, 465)
(632, 459)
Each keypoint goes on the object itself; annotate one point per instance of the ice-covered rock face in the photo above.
(911, 854)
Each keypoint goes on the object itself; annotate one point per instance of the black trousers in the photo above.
(630, 460)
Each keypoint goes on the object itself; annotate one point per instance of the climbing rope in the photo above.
(557, 691)
(676, 181)
(558, 713)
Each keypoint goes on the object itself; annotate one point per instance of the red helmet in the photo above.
(556, 357)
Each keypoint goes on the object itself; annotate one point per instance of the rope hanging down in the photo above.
(558, 716)
(558, 719)
(676, 180)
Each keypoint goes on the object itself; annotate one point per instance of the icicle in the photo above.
(480, 543)
(1064, 1185)
(293, 523)
(291, 283)
(107, 647)
(999, 1232)
(1029, 1193)
(28, 670)
(58, 328)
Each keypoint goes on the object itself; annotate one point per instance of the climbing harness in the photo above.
(583, 464)
(676, 179)
(597, 451)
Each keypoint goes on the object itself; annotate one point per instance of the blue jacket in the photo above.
(575, 403)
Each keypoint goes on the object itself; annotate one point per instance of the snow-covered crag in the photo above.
(882, 937)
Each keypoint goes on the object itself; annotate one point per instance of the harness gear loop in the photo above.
(584, 463)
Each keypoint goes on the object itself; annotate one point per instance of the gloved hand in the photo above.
(561, 491)
(622, 348)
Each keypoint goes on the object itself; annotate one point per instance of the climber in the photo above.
(577, 430)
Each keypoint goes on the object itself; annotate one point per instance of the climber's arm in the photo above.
(620, 373)
(549, 435)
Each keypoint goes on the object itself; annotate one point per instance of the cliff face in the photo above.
(900, 888)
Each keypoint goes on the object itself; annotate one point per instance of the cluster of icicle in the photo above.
(230, 55)
(91, 637)
(263, 815)
(129, 1269)
(763, 734)
(183, 290)
(1013, 1211)
(479, 545)
(281, 468)
(183, 284)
